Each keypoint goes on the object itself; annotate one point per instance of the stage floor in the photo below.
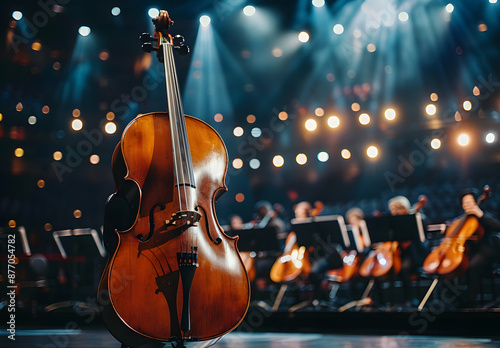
(54, 338)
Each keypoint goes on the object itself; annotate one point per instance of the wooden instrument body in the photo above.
(350, 267)
(450, 257)
(381, 260)
(292, 263)
(142, 278)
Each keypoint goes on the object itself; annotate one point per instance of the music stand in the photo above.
(398, 228)
(357, 232)
(88, 242)
(258, 239)
(315, 230)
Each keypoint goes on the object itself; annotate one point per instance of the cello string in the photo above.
(171, 113)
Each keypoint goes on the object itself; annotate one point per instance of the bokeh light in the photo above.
(346, 154)
(364, 119)
(333, 121)
(237, 163)
(390, 114)
(301, 158)
(430, 109)
(311, 125)
(372, 151)
(278, 161)
(238, 131)
(463, 139)
(435, 143)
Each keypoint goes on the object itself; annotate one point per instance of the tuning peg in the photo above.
(183, 50)
(145, 37)
(148, 47)
(178, 40)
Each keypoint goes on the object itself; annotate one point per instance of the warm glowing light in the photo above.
(19, 152)
(318, 3)
(277, 52)
(17, 15)
(153, 12)
(1, 117)
(19, 107)
(76, 113)
(40, 183)
(435, 143)
(238, 132)
(463, 139)
(56, 66)
(430, 109)
(301, 159)
(364, 119)
(57, 156)
(205, 20)
(115, 11)
(110, 127)
(36, 46)
(77, 213)
(476, 91)
(47, 227)
(46, 109)
(467, 105)
(323, 156)
(32, 120)
(403, 16)
(338, 29)
(218, 117)
(94, 159)
(482, 27)
(449, 8)
(249, 10)
(371, 47)
(110, 116)
(303, 37)
(319, 112)
(12, 223)
(283, 115)
(490, 138)
(333, 121)
(355, 107)
(84, 30)
(311, 125)
(104, 55)
(493, 1)
(251, 118)
(240, 197)
(372, 151)
(77, 124)
(346, 154)
(237, 163)
(254, 163)
(390, 114)
(434, 96)
(278, 161)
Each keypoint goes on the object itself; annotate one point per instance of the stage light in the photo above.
(240, 197)
(12, 223)
(104, 55)
(482, 27)
(467, 105)
(323, 156)
(57, 156)
(36, 46)
(476, 91)
(254, 163)
(319, 112)
(463, 139)
(218, 117)
(153, 12)
(17, 15)
(238, 131)
(430, 109)
(94, 159)
(338, 29)
(390, 114)
(77, 213)
(84, 30)
(355, 107)
(251, 118)
(76, 113)
(364, 119)
(435, 143)
(40, 183)
(301, 159)
(278, 161)
(110, 116)
(277, 52)
(32, 120)
(256, 132)
(449, 8)
(318, 3)
(77, 124)
(311, 125)
(110, 127)
(237, 163)
(493, 1)
(205, 20)
(434, 96)
(403, 16)
(303, 37)
(47, 227)
(1, 117)
(490, 138)
(19, 107)
(19, 152)
(283, 116)
(372, 151)
(115, 11)
(46, 109)
(249, 10)
(371, 48)
(333, 121)
(346, 154)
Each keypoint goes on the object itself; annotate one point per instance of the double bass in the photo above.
(450, 257)
(174, 275)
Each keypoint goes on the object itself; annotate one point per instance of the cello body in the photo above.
(380, 261)
(143, 285)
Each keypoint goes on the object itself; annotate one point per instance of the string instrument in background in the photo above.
(387, 255)
(174, 275)
(450, 257)
(295, 260)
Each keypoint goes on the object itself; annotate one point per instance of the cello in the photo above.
(450, 257)
(174, 275)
